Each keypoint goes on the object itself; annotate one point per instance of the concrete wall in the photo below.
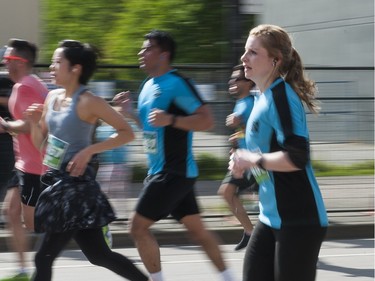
(20, 19)
(327, 33)
(338, 33)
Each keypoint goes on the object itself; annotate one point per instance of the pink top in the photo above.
(24, 93)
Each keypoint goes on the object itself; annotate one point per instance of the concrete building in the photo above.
(336, 39)
(327, 33)
(20, 19)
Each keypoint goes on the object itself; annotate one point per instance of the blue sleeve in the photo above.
(244, 107)
(188, 103)
(188, 97)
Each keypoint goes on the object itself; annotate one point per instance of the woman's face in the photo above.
(60, 69)
(259, 66)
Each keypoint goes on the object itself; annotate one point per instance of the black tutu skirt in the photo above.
(70, 203)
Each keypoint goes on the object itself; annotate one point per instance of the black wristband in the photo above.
(174, 118)
(259, 163)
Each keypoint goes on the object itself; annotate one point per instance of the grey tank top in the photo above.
(66, 125)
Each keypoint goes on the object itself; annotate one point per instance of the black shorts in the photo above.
(167, 194)
(247, 182)
(13, 181)
(30, 188)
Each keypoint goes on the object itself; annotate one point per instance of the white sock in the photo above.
(22, 271)
(227, 275)
(157, 276)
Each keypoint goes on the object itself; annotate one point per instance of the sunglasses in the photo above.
(9, 58)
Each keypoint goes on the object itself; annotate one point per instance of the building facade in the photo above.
(20, 19)
(336, 38)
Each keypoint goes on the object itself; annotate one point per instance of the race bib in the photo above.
(259, 174)
(150, 142)
(56, 149)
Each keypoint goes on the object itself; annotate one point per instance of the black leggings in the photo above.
(287, 254)
(94, 247)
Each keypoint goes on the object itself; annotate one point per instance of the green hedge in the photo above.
(215, 168)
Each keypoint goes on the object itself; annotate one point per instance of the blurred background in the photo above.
(334, 38)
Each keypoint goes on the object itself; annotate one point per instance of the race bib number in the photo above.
(259, 174)
(150, 142)
(56, 149)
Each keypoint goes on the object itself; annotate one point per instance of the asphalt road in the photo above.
(339, 260)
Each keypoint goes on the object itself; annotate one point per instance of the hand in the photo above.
(124, 101)
(2, 125)
(244, 159)
(34, 112)
(235, 170)
(159, 118)
(78, 164)
(233, 120)
(233, 139)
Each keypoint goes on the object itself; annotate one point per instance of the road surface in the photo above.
(340, 260)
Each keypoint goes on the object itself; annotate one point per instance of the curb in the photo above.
(227, 235)
(233, 235)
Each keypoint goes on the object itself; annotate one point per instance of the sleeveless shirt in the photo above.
(66, 125)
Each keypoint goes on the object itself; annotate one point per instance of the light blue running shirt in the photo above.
(169, 149)
(278, 122)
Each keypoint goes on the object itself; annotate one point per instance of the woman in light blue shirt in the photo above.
(292, 222)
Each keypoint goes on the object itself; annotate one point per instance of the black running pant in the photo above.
(286, 254)
(94, 247)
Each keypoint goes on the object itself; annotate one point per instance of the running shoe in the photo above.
(18, 277)
(107, 236)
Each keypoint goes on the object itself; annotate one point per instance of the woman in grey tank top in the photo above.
(64, 125)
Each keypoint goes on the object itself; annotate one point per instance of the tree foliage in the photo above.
(69, 19)
(117, 27)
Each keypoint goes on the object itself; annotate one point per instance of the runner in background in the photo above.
(23, 192)
(231, 188)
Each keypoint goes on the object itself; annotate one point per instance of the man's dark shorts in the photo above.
(13, 181)
(29, 185)
(247, 182)
(167, 194)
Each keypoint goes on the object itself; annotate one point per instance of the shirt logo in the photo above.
(255, 127)
(157, 92)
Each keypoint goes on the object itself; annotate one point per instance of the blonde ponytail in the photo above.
(304, 87)
(278, 44)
